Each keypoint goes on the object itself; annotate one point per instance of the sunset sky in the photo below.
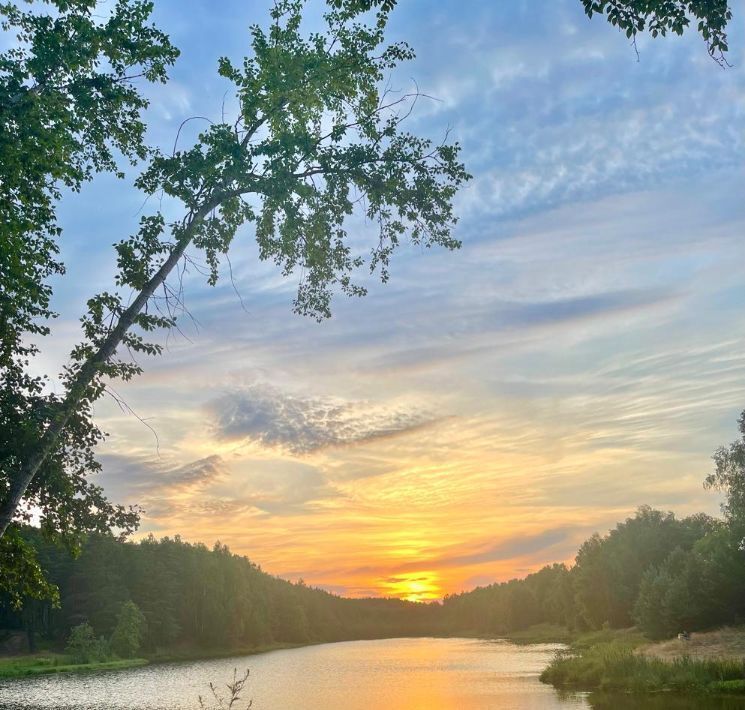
(485, 411)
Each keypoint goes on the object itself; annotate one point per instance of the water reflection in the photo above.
(392, 674)
(405, 674)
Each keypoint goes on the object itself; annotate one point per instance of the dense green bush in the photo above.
(84, 647)
(130, 627)
(615, 666)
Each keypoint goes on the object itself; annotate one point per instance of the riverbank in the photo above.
(46, 663)
(49, 662)
(541, 633)
(625, 661)
(201, 654)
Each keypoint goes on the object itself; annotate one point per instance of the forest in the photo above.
(655, 571)
(194, 597)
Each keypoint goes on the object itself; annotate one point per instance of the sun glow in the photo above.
(414, 587)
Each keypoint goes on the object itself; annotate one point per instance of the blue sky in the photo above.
(486, 410)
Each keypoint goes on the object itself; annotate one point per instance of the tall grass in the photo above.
(615, 666)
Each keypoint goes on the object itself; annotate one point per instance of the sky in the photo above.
(485, 411)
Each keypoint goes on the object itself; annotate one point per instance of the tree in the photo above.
(610, 569)
(22, 576)
(128, 632)
(68, 103)
(305, 179)
(729, 477)
(84, 647)
(658, 17)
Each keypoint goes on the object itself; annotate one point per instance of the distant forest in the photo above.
(655, 571)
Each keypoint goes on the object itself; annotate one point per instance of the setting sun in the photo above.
(416, 587)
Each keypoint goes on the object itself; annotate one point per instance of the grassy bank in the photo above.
(620, 661)
(40, 664)
(542, 633)
(48, 662)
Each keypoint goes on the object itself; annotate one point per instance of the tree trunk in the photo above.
(78, 389)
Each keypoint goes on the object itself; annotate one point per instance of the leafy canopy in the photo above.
(130, 627)
(69, 103)
(316, 141)
(658, 17)
(729, 477)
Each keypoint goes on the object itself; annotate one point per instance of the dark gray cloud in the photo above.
(139, 475)
(301, 425)
(577, 307)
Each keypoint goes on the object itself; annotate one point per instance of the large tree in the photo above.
(729, 477)
(69, 103)
(315, 140)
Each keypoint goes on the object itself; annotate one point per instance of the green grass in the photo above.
(542, 633)
(631, 637)
(40, 664)
(613, 666)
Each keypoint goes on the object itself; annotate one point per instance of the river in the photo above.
(389, 674)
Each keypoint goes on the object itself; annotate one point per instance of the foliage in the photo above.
(609, 570)
(615, 666)
(84, 647)
(729, 477)
(600, 589)
(48, 664)
(68, 101)
(22, 577)
(658, 17)
(68, 104)
(193, 597)
(130, 627)
(698, 588)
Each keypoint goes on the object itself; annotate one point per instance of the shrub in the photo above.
(615, 666)
(127, 634)
(84, 647)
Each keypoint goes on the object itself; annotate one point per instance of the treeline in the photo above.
(195, 597)
(654, 571)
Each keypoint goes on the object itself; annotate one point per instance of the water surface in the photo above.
(390, 674)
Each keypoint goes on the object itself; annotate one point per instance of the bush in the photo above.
(127, 635)
(84, 647)
(615, 666)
